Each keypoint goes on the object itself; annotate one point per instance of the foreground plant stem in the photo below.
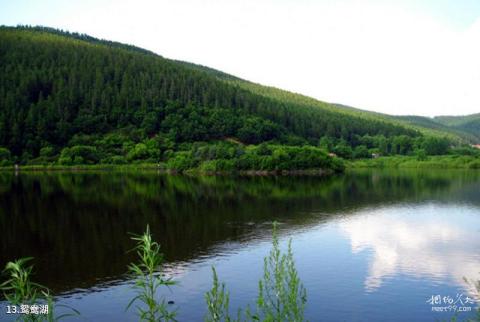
(281, 295)
(19, 290)
(148, 279)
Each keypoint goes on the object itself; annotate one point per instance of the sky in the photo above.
(417, 57)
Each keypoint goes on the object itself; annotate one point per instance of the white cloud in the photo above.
(431, 246)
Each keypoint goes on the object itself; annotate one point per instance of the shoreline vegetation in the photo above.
(413, 162)
(212, 168)
(222, 157)
(403, 162)
(70, 100)
(161, 168)
(73, 102)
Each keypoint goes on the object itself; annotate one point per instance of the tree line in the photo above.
(54, 85)
(60, 91)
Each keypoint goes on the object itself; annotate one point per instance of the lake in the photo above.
(369, 245)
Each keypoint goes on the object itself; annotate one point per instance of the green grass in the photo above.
(281, 294)
(218, 301)
(148, 279)
(19, 290)
(411, 162)
(85, 167)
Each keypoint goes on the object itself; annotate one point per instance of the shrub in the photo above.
(474, 164)
(113, 143)
(421, 154)
(217, 165)
(148, 280)
(181, 161)
(465, 150)
(118, 159)
(5, 154)
(47, 151)
(79, 154)
(138, 152)
(78, 160)
(218, 302)
(20, 290)
(361, 152)
(208, 166)
(281, 296)
(325, 143)
(435, 146)
(5, 163)
(343, 150)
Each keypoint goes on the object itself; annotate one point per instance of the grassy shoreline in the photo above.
(395, 162)
(82, 167)
(412, 162)
(163, 169)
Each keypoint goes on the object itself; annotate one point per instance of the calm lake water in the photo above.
(369, 245)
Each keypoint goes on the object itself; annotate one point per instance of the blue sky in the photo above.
(397, 57)
(460, 14)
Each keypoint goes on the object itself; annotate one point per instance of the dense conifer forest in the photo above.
(68, 98)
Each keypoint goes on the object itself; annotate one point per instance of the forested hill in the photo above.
(467, 123)
(60, 90)
(425, 125)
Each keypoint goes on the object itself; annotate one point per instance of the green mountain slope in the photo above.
(425, 125)
(434, 127)
(61, 90)
(412, 123)
(467, 123)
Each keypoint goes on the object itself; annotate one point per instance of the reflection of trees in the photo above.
(79, 222)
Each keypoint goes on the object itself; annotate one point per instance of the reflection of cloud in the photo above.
(436, 242)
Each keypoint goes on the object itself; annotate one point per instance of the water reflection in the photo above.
(365, 229)
(433, 241)
(62, 219)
